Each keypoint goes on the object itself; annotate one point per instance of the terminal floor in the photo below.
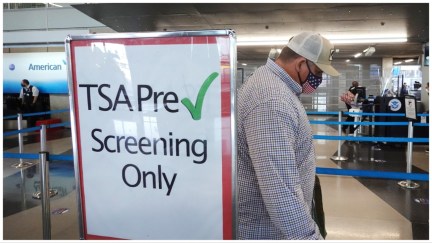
(355, 208)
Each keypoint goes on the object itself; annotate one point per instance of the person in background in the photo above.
(29, 100)
(353, 91)
(404, 89)
(276, 156)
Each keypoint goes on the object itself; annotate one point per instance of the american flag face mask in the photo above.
(312, 82)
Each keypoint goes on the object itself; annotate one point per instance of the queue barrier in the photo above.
(316, 122)
(45, 112)
(319, 170)
(44, 157)
(408, 183)
(36, 128)
(360, 113)
(373, 174)
(46, 193)
(36, 113)
(373, 139)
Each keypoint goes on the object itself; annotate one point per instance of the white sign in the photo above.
(410, 107)
(154, 136)
(45, 70)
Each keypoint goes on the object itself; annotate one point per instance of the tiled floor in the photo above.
(355, 208)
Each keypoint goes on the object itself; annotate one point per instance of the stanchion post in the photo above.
(23, 191)
(20, 136)
(44, 177)
(339, 157)
(408, 183)
(52, 192)
(43, 138)
(357, 127)
(21, 164)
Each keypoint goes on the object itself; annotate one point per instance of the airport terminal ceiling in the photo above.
(280, 21)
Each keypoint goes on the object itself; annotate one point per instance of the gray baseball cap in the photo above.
(316, 49)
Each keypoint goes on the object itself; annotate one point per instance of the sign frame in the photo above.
(229, 225)
(410, 111)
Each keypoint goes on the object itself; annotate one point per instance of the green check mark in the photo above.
(196, 109)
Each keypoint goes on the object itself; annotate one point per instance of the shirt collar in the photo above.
(276, 69)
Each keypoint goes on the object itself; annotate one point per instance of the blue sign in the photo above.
(45, 70)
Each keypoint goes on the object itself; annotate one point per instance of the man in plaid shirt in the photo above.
(276, 157)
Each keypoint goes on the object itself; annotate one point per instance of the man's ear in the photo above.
(298, 63)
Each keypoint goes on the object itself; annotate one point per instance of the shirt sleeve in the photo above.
(21, 95)
(270, 133)
(35, 91)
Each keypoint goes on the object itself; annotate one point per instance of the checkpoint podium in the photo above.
(393, 105)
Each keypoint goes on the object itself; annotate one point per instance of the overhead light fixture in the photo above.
(55, 5)
(244, 64)
(263, 43)
(409, 60)
(369, 51)
(347, 60)
(397, 63)
(353, 40)
(369, 40)
(358, 54)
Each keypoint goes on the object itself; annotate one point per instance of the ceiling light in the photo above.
(263, 43)
(368, 40)
(358, 54)
(369, 51)
(244, 64)
(347, 60)
(397, 63)
(334, 40)
(55, 5)
(409, 60)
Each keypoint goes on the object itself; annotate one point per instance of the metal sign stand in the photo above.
(411, 115)
(408, 183)
(227, 66)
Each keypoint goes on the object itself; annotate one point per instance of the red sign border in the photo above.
(227, 197)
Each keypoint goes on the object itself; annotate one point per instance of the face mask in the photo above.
(311, 83)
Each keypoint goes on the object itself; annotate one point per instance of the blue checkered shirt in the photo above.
(276, 159)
